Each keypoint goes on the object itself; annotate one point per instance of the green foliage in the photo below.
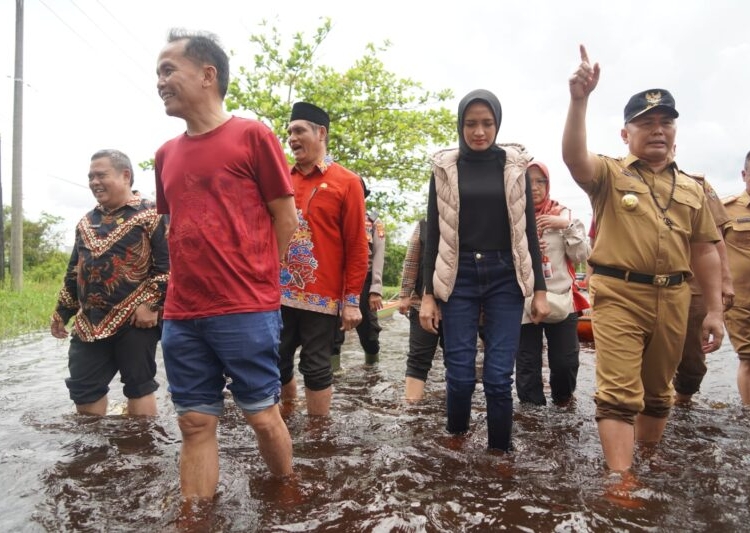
(390, 292)
(53, 269)
(29, 309)
(382, 127)
(394, 261)
(41, 239)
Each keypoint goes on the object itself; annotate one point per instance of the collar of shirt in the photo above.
(322, 165)
(134, 202)
(630, 159)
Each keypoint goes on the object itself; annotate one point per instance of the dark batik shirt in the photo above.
(120, 260)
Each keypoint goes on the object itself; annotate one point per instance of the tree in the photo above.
(382, 127)
(394, 253)
(42, 240)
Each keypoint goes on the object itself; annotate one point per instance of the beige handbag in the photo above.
(560, 306)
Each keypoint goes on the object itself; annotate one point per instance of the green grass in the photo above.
(28, 310)
(390, 292)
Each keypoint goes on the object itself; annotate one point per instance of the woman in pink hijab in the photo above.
(563, 244)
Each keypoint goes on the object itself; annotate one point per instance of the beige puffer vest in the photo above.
(446, 185)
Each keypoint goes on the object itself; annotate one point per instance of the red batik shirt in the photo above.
(326, 263)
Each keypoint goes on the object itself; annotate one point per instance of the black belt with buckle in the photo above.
(660, 280)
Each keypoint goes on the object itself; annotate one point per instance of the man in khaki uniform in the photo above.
(653, 226)
(737, 319)
(692, 369)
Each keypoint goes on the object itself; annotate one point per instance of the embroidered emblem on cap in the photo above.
(653, 98)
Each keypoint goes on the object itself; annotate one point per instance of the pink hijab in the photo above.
(546, 206)
(551, 207)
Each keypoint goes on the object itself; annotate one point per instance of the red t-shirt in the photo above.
(222, 246)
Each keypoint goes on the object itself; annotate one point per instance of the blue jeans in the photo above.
(486, 283)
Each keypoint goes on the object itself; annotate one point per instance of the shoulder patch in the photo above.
(710, 192)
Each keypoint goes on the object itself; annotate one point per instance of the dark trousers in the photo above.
(562, 355)
(422, 346)
(313, 332)
(692, 367)
(368, 330)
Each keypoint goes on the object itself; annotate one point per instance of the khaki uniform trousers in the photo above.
(737, 323)
(639, 333)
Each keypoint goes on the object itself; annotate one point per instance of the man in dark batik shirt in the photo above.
(114, 287)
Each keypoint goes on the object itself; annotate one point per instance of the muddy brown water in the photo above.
(377, 464)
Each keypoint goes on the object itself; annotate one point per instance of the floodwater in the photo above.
(378, 464)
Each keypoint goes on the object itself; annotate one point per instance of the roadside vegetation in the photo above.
(44, 266)
(30, 309)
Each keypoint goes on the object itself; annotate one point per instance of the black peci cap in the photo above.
(305, 111)
(647, 100)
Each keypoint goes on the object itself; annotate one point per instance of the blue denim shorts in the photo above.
(199, 355)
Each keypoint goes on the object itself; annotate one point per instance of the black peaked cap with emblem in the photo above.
(648, 100)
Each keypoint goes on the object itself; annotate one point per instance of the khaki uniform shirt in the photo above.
(718, 213)
(737, 240)
(632, 233)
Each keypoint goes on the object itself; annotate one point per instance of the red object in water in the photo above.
(585, 332)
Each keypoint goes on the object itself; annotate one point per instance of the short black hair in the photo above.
(204, 47)
(119, 160)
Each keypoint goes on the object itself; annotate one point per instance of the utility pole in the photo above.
(16, 234)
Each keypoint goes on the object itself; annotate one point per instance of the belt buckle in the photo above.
(661, 280)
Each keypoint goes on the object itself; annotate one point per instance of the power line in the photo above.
(109, 37)
(135, 38)
(124, 74)
(65, 23)
(68, 181)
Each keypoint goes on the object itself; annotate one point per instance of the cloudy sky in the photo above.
(89, 80)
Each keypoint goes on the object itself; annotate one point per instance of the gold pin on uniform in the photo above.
(629, 201)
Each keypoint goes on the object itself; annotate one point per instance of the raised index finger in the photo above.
(584, 55)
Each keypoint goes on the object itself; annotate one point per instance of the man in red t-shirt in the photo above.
(225, 185)
(326, 264)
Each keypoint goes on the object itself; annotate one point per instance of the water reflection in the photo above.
(378, 464)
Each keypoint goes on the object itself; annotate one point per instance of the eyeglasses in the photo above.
(539, 183)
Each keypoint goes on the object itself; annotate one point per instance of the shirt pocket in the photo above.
(682, 211)
(324, 204)
(627, 186)
(685, 196)
(740, 234)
